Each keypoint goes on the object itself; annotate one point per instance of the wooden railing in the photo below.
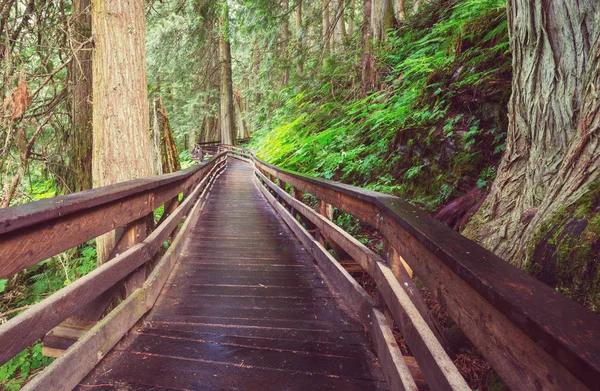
(33, 232)
(534, 337)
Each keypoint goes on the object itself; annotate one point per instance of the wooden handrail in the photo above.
(217, 143)
(81, 217)
(38, 230)
(533, 336)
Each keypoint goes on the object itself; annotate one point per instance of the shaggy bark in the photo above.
(120, 99)
(168, 151)
(552, 144)
(79, 171)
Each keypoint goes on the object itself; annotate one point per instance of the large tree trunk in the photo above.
(339, 29)
(552, 150)
(79, 170)
(256, 64)
(352, 17)
(299, 38)
(367, 76)
(169, 157)
(285, 38)
(239, 110)
(226, 110)
(382, 17)
(120, 99)
(155, 138)
(399, 10)
(326, 28)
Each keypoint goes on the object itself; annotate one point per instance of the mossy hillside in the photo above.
(432, 130)
(564, 253)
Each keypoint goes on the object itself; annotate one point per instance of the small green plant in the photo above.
(16, 371)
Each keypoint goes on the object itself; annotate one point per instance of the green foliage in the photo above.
(185, 159)
(14, 373)
(424, 134)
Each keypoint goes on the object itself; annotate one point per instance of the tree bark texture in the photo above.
(326, 28)
(382, 16)
(120, 100)
(155, 138)
(79, 171)
(285, 40)
(352, 17)
(299, 38)
(242, 127)
(339, 30)
(367, 77)
(226, 109)
(399, 10)
(168, 151)
(552, 147)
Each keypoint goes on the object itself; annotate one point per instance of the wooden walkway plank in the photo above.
(245, 308)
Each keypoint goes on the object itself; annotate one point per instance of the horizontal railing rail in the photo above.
(534, 337)
(33, 232)
(217, 143)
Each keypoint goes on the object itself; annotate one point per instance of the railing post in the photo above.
(299, 195)
(326, 210)
(404, 275)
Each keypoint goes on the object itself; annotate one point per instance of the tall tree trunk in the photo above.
(285, 37)
(399, 10)
(352, 18)
(299, 38)
(155, 138)
(339, 30)
(257, 57)
(552, 150)
(326, 28)
(239, 110)
(120, 99)
(168, 151)
(382, 16)
(79, 170)
(226, 110)
(367, 56)
(416, 6)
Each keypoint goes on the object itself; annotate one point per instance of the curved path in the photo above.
(246, 309)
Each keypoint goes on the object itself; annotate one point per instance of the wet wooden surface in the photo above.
(246, 309)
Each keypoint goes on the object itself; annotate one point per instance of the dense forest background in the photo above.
(411, 98)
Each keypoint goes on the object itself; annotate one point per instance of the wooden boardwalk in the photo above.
(245, 308)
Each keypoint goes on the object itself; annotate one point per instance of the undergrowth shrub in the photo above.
(432, 130)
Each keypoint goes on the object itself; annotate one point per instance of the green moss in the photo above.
(564, 251)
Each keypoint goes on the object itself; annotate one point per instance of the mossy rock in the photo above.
(565, 251)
